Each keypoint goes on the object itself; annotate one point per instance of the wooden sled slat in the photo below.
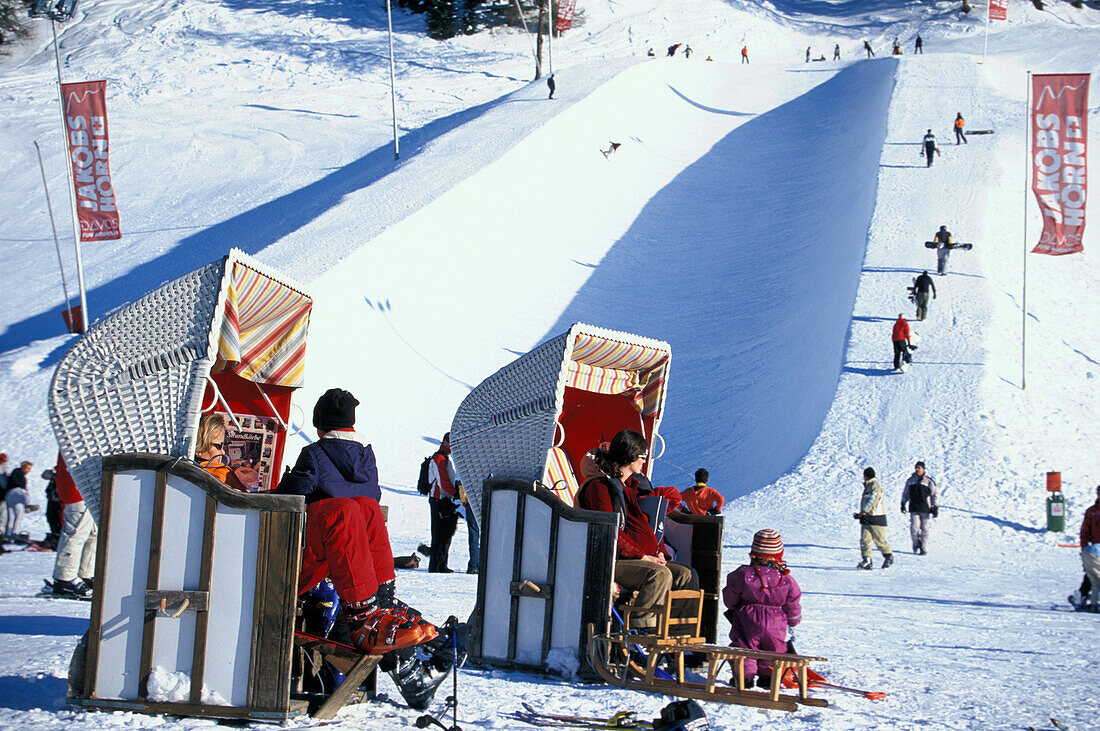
(601, 647)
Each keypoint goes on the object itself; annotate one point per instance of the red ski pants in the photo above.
(346, 540)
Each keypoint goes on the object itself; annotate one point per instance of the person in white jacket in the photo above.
(872, 521)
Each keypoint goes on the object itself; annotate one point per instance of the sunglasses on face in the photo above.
(219, 445)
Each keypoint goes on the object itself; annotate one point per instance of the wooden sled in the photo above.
(359, 670)
(609, 654)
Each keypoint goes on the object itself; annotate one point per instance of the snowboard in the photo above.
(979, 132)
(47, 592)
(934, 245)
(421, 669)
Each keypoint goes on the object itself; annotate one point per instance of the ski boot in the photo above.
(382, 623)
(865, 564)
(887, 560)
(419, 671)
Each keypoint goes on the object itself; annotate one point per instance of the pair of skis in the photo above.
(621, 720)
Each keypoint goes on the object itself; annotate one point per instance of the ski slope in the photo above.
(765, 219)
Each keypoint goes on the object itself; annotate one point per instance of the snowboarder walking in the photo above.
(552, 84)
(944, 245)
(930, 148)
(1090, 555)
(920, 498)
(918, 45)
(959, 124)
(836, 52)
(872, 521)
(923, 286)
(900, 338)
(867, 48)
(672, 49)
(744, 54)
(762, 600)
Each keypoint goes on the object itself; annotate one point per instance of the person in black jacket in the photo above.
(930, 150)
(923, 286)
(552, 84)
(920, 498)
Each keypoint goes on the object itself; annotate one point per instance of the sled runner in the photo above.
(607, 654)
(518, 441)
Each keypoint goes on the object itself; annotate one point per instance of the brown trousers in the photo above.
(651, 582)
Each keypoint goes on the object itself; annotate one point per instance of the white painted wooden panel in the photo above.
(232, 594)
(499, 559)
(565, 627)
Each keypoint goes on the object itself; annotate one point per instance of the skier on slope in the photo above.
(899, 336)
(923, 286)
(872, 522)
(930, 148)
(920, 498)
(762, 600)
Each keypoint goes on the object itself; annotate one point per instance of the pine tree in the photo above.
(11, 20)
(440, 15)
(469, 16)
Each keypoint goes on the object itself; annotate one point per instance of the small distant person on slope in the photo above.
(17, 499)
(672, 49)
(959, 124)
(744, 54)
(918, 45)
(552, 85)
(924, 286)
(687, 51)
(920, 498)
(944, 245)
(1090, 556)
(611, 148)
(872, 522)
(897, 47)
(762, 600)
(867, 48)
(836, 52)
(701, 499)
(930, 148)
(650, 52)
(900, 338)
(807, 54)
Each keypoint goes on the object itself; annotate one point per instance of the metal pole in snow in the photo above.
(1023, 298)
(987, 20)
(393, 87)
(56, 241)
(552, 26)
(72, 187)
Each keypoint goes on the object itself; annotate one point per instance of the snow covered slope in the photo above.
(764, 218)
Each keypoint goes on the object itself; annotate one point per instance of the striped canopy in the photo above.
(603, 365)
(263, 333)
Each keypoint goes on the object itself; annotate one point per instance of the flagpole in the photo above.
(1023, 298)
(72, 187)
(393, 87)
(988, 18)
(56, 240)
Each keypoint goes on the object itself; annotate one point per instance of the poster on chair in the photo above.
(251, 449)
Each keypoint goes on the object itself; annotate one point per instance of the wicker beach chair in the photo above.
(518, 441)
(193, 607)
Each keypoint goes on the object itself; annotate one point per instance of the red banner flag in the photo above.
(998, 9)
(565, 14)
(1059, 136)
(85, 108)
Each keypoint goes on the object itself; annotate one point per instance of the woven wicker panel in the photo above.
(135, 381)
(506, 424)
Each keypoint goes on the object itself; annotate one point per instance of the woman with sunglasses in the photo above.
(643, 563)
(210, 451)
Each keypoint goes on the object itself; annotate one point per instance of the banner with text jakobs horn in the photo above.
(1059, 139)
(998, 9)
(85, 108)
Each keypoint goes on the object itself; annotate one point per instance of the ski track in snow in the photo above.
(764, 218)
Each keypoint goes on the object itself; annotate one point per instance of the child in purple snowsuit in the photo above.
(762, 600)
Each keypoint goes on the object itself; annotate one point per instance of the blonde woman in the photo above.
(210, 452)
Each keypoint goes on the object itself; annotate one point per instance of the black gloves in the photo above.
(936, 511)
(903, 508)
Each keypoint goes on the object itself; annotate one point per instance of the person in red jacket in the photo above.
(702, 499)
(1090, 555)
(642, 563)
(74, 566)
(900, 337)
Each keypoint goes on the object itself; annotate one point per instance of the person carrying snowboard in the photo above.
(944, 245)
(920, 498)
(923, 286)
(930, 148)
(959, 124)
(900, 338)
(872, 522)
(762, 600)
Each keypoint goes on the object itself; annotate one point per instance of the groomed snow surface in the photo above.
(763, 218)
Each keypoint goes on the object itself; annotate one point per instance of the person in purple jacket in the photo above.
(762, 601)
(341, 462)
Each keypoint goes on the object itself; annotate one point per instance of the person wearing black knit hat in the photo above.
(920, 498)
